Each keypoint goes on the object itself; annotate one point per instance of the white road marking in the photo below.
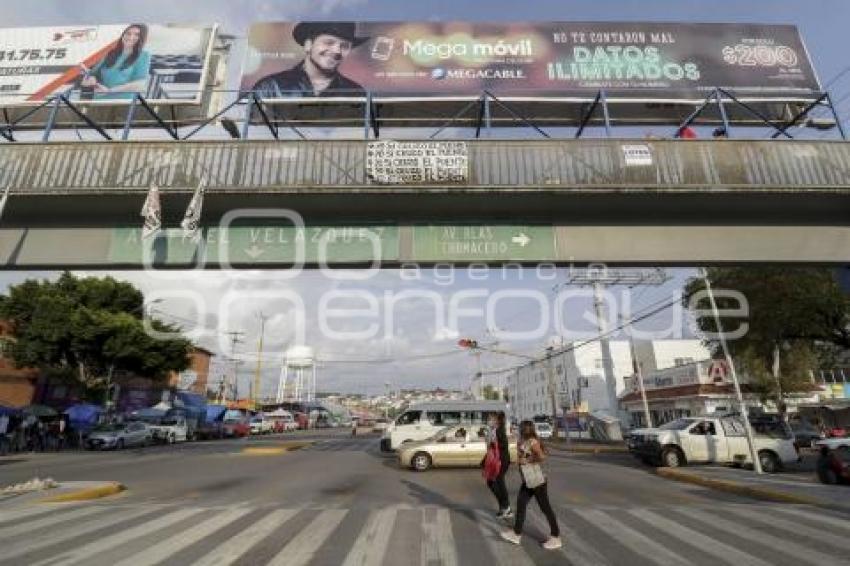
(91, 550)
(300, 550)
(234, 548)
(799, 552)
(23, 528)
(371, 544)
(505, 553)
(633, 539)
(720, 551)
(170, 546)
(438, 543)
(796, 527)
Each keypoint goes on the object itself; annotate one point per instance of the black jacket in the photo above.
(294, 82)
(504, 449)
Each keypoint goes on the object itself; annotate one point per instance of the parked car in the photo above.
(720, 440)
(380, 425)
(543, 430)
(833, 467)
(838, 444)
(170, 430)
(261, 425)
(118, 436)
(805, 435)
(236, 427)
(282, 421)
(459, 446)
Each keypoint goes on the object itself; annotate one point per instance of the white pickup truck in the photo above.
(170, 430)
(720, 440)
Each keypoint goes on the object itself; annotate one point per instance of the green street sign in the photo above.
(483, 243)
(257, 245)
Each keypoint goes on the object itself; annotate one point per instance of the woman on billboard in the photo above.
(124, 70)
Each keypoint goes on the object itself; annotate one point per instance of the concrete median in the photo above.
(87, 493)
(277, 449)
(737, 488)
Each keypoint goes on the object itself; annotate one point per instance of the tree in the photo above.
(801, 314)
(83, 329)
(490, 393)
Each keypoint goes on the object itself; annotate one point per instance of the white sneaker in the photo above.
(508, 514)
(553, 543)
(510, 536)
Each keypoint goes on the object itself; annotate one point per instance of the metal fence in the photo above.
(269, 166)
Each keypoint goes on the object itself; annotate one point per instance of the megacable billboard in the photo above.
(165, 63)
(632, 59)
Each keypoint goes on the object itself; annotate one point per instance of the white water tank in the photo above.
(299, 357)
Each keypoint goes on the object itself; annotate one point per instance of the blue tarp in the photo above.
(84, 413)
(191, 399)
(8, 410)
(215, 413)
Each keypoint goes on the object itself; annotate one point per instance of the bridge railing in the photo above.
(516, 165)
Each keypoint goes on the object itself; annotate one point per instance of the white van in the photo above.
(423, 420)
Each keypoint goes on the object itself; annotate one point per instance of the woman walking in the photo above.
(497, 443)
(530, 455)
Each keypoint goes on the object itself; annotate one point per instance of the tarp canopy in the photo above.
(190, 399)
(85, 413)
(39, 411)
(8, 410)
(215, 413)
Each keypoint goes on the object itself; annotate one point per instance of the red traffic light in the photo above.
(467, 343)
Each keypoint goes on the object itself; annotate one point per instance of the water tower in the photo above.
(298, 374)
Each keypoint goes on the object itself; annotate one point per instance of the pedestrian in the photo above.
(4, 427)
(499, 453)
(353, 427)
(531, 455)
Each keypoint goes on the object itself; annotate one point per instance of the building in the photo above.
(196, 377)
(579, 376)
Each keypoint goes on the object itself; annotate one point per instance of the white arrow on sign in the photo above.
(522, 239)
(254, 251)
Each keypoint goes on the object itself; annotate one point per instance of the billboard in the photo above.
(650, 61)
(107, 64)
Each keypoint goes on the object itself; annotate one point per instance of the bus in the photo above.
(423, 420)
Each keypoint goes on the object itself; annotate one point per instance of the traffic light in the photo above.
(467, 343)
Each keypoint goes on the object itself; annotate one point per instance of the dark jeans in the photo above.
(542, 496)
(499, 489)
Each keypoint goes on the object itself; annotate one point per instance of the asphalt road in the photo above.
(340, 501)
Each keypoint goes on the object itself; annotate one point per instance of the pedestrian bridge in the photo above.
(656, 202)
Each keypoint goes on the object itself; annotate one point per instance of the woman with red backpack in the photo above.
(496, 463)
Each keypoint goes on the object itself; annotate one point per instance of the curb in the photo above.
(86, 494)
(277, 450)
(589, 449)
(736, 488)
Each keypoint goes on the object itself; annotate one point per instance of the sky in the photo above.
(421, 350)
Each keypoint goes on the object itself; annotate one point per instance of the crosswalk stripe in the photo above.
(234, 548)
(723, 552)
(437, 540)
(18, 548)
(580, 553)
(504, 554)
(803, 554)
(92, 549)
(815, 517)
(300, 550)
(22, 528)
(371, 544)
(27, 512)
(170, 546)
(634, 540)
(796, 527)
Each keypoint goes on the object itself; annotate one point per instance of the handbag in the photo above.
(532, 474)
(492, 463)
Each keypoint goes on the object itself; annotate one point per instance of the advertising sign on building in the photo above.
(165, 63)
(652, 61)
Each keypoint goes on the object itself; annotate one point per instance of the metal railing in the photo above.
(272, 166)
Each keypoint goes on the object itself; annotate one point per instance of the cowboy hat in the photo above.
(345, 30)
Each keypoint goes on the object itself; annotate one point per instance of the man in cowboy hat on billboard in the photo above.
(326, 45)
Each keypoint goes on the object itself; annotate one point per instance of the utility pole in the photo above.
(742, 407)
(235, 338)
(256, 391)
(598, 277)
